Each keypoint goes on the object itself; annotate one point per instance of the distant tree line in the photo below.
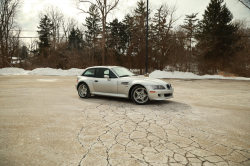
(214, 43)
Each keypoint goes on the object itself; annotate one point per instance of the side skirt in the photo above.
(110, 94)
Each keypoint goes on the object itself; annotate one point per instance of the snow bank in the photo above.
(56, 72)
(188, 75)
(76, 72)
(13, 71)
(41, 71)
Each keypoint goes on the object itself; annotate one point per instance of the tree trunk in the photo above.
(161, 65)
(3, 56)
(103, 40)
(190, 55)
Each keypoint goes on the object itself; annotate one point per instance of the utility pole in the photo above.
(147, 43)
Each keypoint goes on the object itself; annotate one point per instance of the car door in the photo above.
(105, 85)
(89, 76)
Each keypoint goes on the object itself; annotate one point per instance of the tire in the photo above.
(139, 95)
(83, 90)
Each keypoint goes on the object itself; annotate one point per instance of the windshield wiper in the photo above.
(125, 76)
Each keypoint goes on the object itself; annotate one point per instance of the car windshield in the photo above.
(123, 72)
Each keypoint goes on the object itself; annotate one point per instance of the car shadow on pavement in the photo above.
(167, 105)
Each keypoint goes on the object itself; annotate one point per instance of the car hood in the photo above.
(143, 79)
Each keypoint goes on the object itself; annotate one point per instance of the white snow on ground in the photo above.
(76, 72)
(41, 71)
(56, 72)
(13, 71)
(188, 75)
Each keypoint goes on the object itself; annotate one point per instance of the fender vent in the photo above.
(124, 83)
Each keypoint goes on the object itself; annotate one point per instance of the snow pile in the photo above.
(41, 71)
(76, 72)
(13, 71)
(188, 75)
(56, 72)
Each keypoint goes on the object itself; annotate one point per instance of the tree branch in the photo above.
(244, 4)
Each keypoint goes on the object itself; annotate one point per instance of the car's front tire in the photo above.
(83, 90)
(139, 95)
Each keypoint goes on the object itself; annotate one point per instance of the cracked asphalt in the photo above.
(44, 122)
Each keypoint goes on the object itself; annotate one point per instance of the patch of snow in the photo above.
(188, 75)
(76, 72)
(13, 71)
(56, 72)
(17, 62)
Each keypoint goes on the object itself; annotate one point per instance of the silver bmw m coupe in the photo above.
(118, 81)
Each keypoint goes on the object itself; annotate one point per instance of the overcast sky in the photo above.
(28, 16)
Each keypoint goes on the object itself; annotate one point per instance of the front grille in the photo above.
(168, 95)
(169, 86)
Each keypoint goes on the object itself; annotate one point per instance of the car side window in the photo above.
(106, 72)
(89, 73)
(112, 75)
(100, 72)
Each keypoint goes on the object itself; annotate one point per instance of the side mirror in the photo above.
(106, 76)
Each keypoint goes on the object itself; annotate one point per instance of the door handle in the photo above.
(96, 80)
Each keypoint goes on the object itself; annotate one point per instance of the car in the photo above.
(119, 81)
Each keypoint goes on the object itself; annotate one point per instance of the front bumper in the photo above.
(160, 94)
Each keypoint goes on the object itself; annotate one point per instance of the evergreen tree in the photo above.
(75, 39)
(140, 32)
(160, 32)
(216, 37)
(117, 40)
(45, 27)
(118, 34)
(129, 22)
(160, 22)
(190, 27)
(93, 24)
(23, 52)
(141, 18)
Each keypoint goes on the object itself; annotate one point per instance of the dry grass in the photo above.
(226, 74)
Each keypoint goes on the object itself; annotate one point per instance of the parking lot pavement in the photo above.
(44, 122)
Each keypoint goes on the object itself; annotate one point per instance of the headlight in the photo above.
(158, 87)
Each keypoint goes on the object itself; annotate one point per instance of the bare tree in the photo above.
(33, 48)
(246, 3)
(9, 31)
(164, 21)
(68, 24)
(241, 60)
(105, 8)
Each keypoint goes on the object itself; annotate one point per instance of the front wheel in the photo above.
(83, 90)
(139, 95)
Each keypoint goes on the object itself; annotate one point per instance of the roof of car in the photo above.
(103, 67)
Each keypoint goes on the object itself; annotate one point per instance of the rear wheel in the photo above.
(139, 95)
(83, 90)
